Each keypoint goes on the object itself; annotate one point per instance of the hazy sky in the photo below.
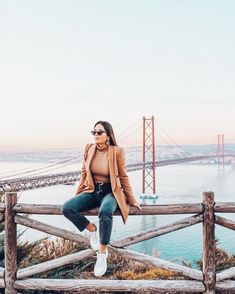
(66, 64)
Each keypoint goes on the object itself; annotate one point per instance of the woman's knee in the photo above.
(105, 213)
(68, 207)
(75, 204)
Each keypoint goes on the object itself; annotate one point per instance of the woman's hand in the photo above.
(137, 204)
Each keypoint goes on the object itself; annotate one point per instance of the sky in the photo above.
(66, 64)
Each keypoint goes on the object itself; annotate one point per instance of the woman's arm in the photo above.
(124, 177)
(83, 172)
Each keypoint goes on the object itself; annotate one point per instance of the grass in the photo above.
(118, 267)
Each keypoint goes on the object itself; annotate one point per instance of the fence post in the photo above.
(10, 251)
(209, 276)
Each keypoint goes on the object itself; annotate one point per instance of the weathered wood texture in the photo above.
(54, 263)
(2, 272)
(209, 277)
(184, 223)
(225, 274)
(227, 223)
(2, 283)
(2, 216)
(10, 254)
(2, 207)
(40, 226)
(110, 285)
(228, 207)
(183, 208)
(121, 243)
(226, 285)
(158, 262)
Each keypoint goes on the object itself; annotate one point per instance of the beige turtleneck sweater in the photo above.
(100, 166)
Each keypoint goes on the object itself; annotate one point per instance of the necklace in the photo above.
(105, 148)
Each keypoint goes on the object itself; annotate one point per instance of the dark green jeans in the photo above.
(103, 198)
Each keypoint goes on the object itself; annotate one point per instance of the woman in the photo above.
(104, 183)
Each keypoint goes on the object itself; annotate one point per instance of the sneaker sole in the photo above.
(99, 275)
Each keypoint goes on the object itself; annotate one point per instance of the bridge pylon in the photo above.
(149, 174)
(220, 152)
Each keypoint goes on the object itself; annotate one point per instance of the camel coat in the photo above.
(121, 188)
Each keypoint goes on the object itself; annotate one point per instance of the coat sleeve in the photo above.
(124, 177)
(83, 172)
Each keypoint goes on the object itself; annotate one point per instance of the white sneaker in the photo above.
(94, 241)
(101, 263)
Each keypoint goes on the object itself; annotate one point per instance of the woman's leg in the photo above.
(72, 209)
(106, 211)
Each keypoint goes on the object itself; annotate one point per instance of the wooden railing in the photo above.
(205, 281)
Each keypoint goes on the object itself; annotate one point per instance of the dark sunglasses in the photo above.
(97, 132)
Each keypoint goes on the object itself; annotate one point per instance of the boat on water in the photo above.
(148, 196)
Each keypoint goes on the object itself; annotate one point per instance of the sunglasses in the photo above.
(97, 132)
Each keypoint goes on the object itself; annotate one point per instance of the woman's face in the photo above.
(100, 139)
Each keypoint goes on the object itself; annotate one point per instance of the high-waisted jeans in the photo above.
(101, 197)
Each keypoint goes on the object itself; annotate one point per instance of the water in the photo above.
(175, 184)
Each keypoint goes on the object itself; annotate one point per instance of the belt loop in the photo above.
(100, 184)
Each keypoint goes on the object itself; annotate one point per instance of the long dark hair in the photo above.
(109, 130)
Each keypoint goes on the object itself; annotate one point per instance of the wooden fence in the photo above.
(205, 281)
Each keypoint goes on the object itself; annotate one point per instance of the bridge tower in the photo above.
(149, 175)
(220, 152)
